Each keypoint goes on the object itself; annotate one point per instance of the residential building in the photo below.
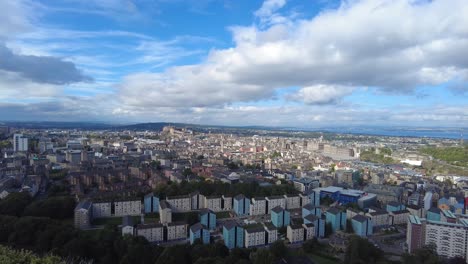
(447, 216)
(292, 201)
(198, 231)
(83, 214)
(226, 203)
(295, 233)
(181, 203)
(254, 236)
(274, 201)
(427, 200)
(151, 203)
(398, 217)
(309, 231)
(305, 184)
(379, 218)
(208, 218)
(258, 206)
(165, 212)
(318, 222)
(214, 203)
(415, 210)
(233, 235)
(311, 209)
(153, 232)
(362, 225)
(20, 143)
(128, 227)
(176, 231)
(450, 239)
(305, 199)
(101, 209)
(337, 218)
(271, 233)
(198, 200)
(127, 207)
(241, 205)
(280, 217)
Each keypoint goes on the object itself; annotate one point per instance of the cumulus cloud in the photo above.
(321, 94)
(394, 45)
(41, 69)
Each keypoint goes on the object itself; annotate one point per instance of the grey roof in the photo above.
(393, 203)
(230, 225)
(277, 209)
(296, 226)
(239, 197)
(196, 227)
(127, 221)
(414, 207)
(308, 206)
(401, 212)
(360, 218)
(311, 217)
(334, 210)
(164, 204)
(255, 230)
(84, 205)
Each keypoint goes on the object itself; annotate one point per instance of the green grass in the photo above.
(220, 215)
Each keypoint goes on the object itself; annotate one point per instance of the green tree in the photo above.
(278, 250)
(263, 256)
(311, 246)
(360, 250)
(15, 203)
(424, 255)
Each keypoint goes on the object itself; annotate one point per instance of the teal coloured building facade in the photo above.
(362, 225)
(208, 219)
(336, 218)
(197, 231)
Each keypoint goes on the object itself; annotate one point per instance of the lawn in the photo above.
(221, 215)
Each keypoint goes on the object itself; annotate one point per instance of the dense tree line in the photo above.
(10, 256)
(252, 189)
(18, 204)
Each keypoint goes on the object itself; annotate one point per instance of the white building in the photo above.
(378, 218)
(180, 203)
(295, 233)
(20, 143)
(273, 201)
(176, 231)
(127, 207)
(258, 206)
(227, 203)
(101, 209)
(127, 226)
(398, 217)
(309, 231)
(305, 199)
(292, 201)
(213, 203)
(427, 201)
(165, 212)
(152, 232)
(271, 233)
(254, 237)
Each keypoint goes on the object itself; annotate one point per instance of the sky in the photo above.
(295, 63)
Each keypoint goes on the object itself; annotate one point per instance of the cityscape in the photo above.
(234, 132)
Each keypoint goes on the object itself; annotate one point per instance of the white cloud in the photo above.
(395, 45)
(321, 94)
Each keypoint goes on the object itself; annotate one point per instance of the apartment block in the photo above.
(153, 232)
(83, 215)
(208, 218)
(280, 217)
(127, 207)
(309, 231)
(213, 203)
(165, 212)
(181, 203)
(295, 233)
(292, 201)
(274, 201)
(258, 206)
(226, 203)
(198, 231)
(102, 209)
(233, 235)
(151, 203)
(271, 233)
(362, 225)
(337, 218)
(241, 205)
(176, 231)
(254, 237)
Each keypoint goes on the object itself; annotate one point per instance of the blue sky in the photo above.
(310, 63)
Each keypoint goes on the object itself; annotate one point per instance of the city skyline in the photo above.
(272, 63)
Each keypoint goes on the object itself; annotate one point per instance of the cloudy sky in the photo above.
(301, 63)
